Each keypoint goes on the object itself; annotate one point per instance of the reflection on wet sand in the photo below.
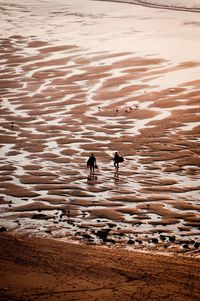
(116, 176)
(91, 178)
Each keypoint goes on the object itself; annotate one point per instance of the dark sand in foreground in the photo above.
(44, 269)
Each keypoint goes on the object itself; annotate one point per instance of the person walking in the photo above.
(91, 163)
(117, 159)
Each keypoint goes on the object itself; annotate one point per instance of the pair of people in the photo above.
(91, 162)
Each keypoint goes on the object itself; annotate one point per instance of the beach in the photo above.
(82, 77)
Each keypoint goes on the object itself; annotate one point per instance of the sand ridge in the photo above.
(33, 268)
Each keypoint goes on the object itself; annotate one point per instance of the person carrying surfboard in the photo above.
(91, 163)
(117, 159)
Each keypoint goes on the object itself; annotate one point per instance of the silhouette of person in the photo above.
(91, 163)
(117, 159)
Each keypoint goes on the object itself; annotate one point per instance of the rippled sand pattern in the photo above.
(59, 104)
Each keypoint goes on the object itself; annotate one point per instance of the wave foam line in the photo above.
(192, 6)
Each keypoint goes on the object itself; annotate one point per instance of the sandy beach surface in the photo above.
(82, 77)
(40, 269)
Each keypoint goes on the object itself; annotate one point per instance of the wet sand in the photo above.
(56, 115)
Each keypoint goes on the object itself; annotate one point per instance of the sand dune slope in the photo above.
(38, 269)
